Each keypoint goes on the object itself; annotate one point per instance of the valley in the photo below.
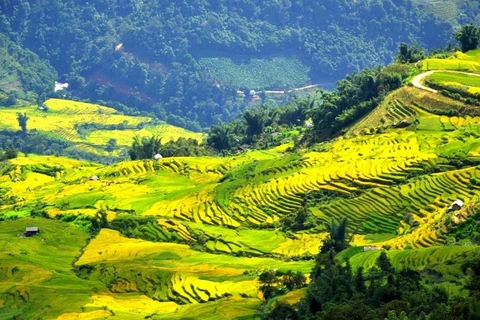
(190, 235)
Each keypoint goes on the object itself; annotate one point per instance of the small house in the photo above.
(456, 205)
(94, 178)
(158, 156)
(31, 231)
(60, 86)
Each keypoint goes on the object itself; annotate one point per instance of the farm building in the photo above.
(31, 231)
(94, 178)
(456, 205)
(158, 156)
(60, 86)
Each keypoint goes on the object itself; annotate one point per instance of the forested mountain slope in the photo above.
(171, 57)
(23, 74)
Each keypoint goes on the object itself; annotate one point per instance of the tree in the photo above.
(360, 281)
(10, 153)
(222, 137)
(111, 145)
(409, 54)
(384, 263)
(22, 122)
(268, 281)
(283, 311)
(473, 267)
(468, 37)
(337, 240)
(101, 218)
(145, 147)
(293, 280)
(12, 98)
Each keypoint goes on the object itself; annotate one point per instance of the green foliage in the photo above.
(255, 128)
(384, 263)
(143, 228)
(468, 37)
(148, 147)
(334, 293)
(353, 97)
(467, 229)
(145, 147)
(22, 122)
(111, 145)
(193, 82)
(183, 148)
(337, 239)
(46, 144)
(302, 219)
(10, 153)
(409, 54)
(277, 72)
(274, 283)
(472, 267)
(39, 210)
(23, 74)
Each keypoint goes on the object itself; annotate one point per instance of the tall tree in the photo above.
(22, 121)
(145, 147)
(468, 37)
(337, 239)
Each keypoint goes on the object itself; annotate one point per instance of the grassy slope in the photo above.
(186, 199)
(36, 274)
(469, 61)
(63, 115)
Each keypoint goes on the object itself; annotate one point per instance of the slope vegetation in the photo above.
(188, 237)
(90, 127)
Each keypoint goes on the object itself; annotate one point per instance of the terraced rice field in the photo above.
(190, 277)
(189, 236)
(459, 61)
(65, 118)
(466, 82)
(445, 9)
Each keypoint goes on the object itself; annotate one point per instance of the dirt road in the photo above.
(417, 81)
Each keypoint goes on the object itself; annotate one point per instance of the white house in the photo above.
(456, 205)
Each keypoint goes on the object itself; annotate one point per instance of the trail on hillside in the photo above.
(295, 89)
(417, 81)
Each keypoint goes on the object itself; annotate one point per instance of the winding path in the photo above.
(417, 81)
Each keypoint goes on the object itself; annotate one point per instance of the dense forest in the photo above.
(150, 55)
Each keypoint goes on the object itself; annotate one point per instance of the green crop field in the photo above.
(277, 72)
(469, 83)
(459, 61)
(189, 236)
(64, 119)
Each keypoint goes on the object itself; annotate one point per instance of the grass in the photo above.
(469, 61)
(37, 276)
(196, 229)
(469, 83)
(446, 260)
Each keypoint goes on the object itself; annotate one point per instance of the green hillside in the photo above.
(189, 237)
(374, 214)
(23, 74)
(83, 130)
(185, 62)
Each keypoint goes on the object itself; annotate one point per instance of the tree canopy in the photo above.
(144, 55)
(468, 37)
